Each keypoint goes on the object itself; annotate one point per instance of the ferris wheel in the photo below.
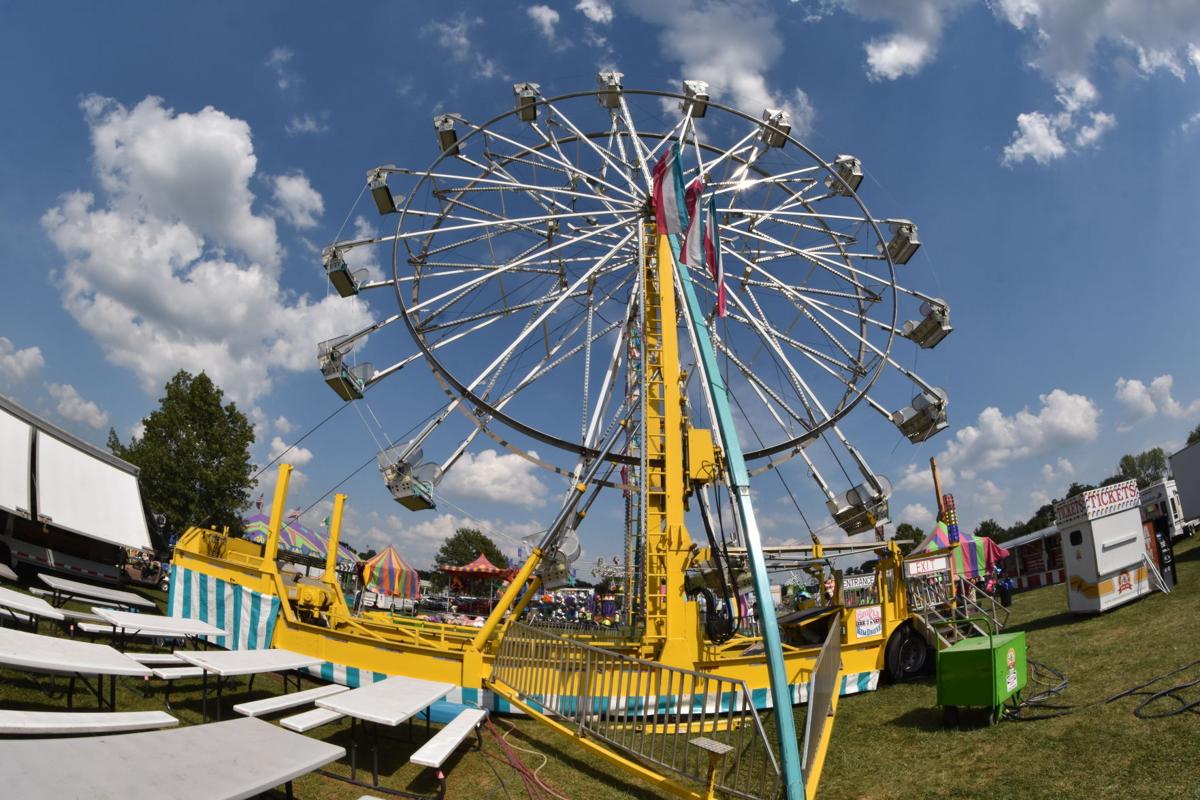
(516, 269)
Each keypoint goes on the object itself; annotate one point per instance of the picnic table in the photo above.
(229, 663)
(34, 607)
(388, 702)
(6, 574)
(32, 652)
(125, 624)
(66, 589)
(230, 760)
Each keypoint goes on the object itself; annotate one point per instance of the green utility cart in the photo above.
(981, 672)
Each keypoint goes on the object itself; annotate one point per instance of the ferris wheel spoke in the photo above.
(746, 184)
(828, 265)
(634, 192)
(807, 421)
(554, 143)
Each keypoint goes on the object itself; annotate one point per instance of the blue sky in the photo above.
(171, 171)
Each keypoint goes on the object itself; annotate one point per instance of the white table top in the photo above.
(229, 760)
(7, 574)
(68, 586)
(247, 662)
(36, 653)
(19, 601)
(147, 624)
(388, 702)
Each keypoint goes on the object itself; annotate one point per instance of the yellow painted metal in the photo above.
(335, 531)
(813, 779)
(272, 549)
(703, 464)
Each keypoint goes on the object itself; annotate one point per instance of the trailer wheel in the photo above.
(906, 654)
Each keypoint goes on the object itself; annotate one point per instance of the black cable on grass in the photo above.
(1039, 700)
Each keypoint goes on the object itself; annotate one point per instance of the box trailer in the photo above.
(1104, 547)
(1185, 470)
(1161, 505)
(65, 505)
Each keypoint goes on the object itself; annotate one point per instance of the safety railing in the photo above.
(821, 689)
(593, 630)
(978, 602)
(643, 709)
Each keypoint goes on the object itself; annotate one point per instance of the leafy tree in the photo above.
(1078, 488)
(464, 547)
(906, 531)
(1194, 436)
(1145, 468)
(991, 529)
(194, 456)
(367, 554)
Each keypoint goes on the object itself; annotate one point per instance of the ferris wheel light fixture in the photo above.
(777, 124)
(380, 192)
(526, 95)
(904, 243)
(849, 169)
(338, 272)
(609, 82)
(925, 417)
(933, 326)
(696, 104)
(447, 136)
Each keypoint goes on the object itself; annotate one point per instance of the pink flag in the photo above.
(692, 252)
(668, 193)
(258, 502)
(712, 254)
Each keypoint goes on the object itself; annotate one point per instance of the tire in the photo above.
(906, 655)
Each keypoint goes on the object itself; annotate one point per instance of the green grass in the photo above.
(886, 744)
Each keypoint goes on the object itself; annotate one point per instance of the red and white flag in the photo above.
(258, 502)
(692, 252)
(668, 193)
(712, 254)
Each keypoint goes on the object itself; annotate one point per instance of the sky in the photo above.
(170, 173)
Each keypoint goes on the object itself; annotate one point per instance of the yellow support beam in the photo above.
(271, 550)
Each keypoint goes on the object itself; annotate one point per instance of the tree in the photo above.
(991, 529)
(464, 547)
(1145, 468)
(194, 456)
(368, 554)
(1078, 488)
(1194, 436)
(906, 531)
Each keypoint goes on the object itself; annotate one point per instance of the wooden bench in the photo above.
(269, 705)
(43, 723)
(305, 722)
(435, 751)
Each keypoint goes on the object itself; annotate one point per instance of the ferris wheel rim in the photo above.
(487, 409)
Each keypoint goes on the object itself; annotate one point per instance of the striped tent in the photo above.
(258, 528)
(977, 556)
(296, 538)
(388, 573)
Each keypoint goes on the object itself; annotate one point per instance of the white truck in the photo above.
(1161, 499)
(1185, 469)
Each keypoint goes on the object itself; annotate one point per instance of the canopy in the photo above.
(978, 555)
(388, 573)
(295, 538)
(479, 568)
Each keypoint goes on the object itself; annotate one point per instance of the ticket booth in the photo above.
(1104, 547)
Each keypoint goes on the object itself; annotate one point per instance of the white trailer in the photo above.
(1160, 500)
(1185, 469)
(1104, 547)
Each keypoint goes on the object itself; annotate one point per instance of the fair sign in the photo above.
(1098, 503)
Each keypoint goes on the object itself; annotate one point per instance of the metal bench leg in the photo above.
(353, 749)
(288, 790)
(375, 753)
(70, 692)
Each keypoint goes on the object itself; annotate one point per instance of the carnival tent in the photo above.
(296, 538)
(978, 555)
(388, 573)
(479, 568)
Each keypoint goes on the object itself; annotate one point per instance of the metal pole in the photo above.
(739, 484)
(281, 486)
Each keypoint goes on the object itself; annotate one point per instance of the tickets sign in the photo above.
(1098, 503)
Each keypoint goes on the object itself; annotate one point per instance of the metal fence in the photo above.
(821, 687)
(644, 709)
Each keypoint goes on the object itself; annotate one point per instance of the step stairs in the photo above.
(1156, 577)
(943, 624)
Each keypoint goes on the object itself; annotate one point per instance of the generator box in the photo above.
(982, 671)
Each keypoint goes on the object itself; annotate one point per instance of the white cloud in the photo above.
(172, 269)
(1089, 135)
(296, 200)
(1063, 420)
(72, 406)
(1140, 402)
(305, 123)
(1060, 469)
(505, 478)
(418, 537)
(1039, 498)
(731, 46)
(988, 499)
(545, 18)
(919, 478)
(916, 514)
(1035, 138)
(1191, 123)
(913, 42)
(455, 37)
(278, 62)
(283, 425)
(365, 258)
(298, 456)
(598, 11)
(17, 366)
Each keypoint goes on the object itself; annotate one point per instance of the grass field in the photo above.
(886, 744)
